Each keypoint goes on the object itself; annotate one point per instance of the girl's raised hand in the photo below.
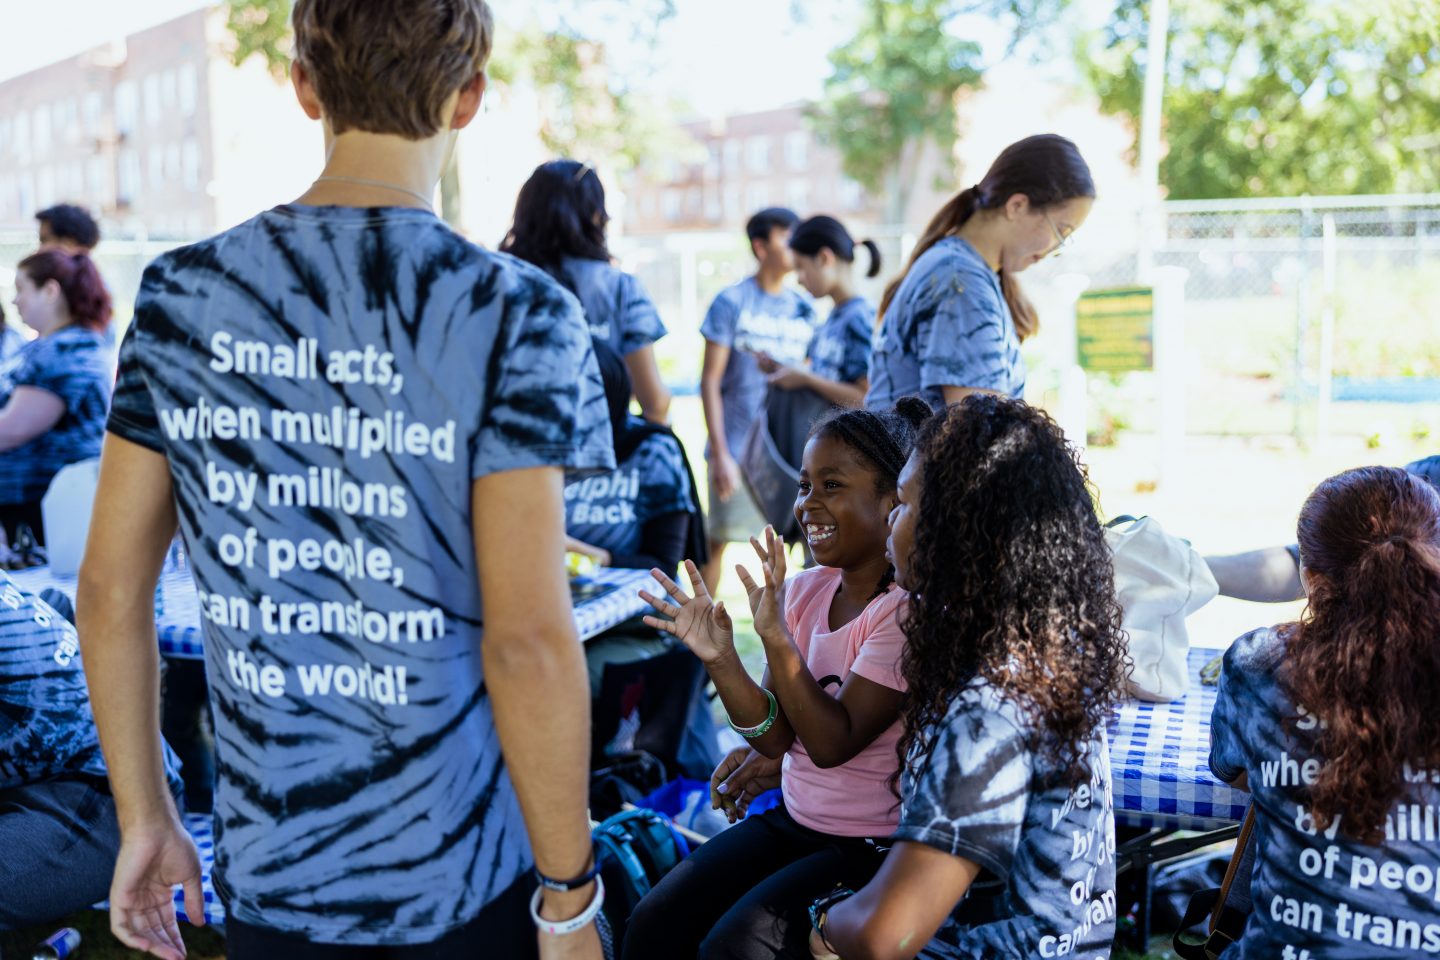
(699, 622)
(767, 597)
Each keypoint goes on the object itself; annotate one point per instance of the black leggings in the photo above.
(745, 894)
(503, 928)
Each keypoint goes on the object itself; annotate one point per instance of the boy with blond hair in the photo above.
(360, 422)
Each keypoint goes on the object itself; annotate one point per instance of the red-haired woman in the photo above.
(1332, 722)
(55, 400)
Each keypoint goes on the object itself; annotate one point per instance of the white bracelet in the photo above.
(560, 928)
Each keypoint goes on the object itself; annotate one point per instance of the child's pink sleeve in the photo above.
(881, 648)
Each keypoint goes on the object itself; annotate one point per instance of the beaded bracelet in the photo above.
(759, 730)
(560, 928)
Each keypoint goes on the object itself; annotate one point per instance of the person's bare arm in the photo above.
(1263, 576)
(894, 916)
(650, 390)
(132, 526)
(836, 391)
(535, 675)
(722, 465)
(30, 412)
(954, 394)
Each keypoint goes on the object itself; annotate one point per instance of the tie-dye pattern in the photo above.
(750, 321)
(616, 306)
(1318, 893)
(46, 727)
(841, 348)
(356, 807)
(1047, 850)
(610, 511)
(76, 365)
(948, 325)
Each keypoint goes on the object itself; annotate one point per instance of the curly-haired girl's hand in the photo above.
(767, 597)
(699, 622)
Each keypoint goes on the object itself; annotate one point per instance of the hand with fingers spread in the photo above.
(699, 622)
(742, 776)
(767, 596)
(142, 894)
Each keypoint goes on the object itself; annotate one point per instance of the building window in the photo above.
(127, 176)
(712, 161)
(797, 196)
(95, 181)
(757, 153)
(732, 157)
(172, 162)
(852, 195)
(797, 150)
(670, 202)
(190, 164)
(40, 131)
(732, 202)
(757, 197)
(167, 89)
(151, 86)
(91, 109)
(712, 204)
(188, 85)
(127, 108)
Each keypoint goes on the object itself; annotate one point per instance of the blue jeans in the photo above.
(59, 841)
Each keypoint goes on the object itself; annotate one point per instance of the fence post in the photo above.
(1074, 407)
(1302, 318)
(1327, 331)
(1169, 287)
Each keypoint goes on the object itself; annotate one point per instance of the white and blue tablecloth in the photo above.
(1160, 762)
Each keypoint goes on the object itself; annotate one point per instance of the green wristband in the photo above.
(750, 733)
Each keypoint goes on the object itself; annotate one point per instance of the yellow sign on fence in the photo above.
(1115, 330)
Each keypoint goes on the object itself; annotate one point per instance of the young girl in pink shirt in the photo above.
(829, 704)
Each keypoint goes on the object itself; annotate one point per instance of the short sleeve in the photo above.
(639, 320)
(970, 798)
(721, 321)
(664, 481)
(546, 405)
(966, 344)
(880, 652)
(855, 363)
(1236, 705)
(132, 407)
(45, 369)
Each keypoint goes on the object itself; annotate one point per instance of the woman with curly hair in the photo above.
(1014, 658)
(1331, 722)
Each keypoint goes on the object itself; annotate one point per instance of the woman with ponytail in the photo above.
(952, 322)
(56, 398)
(839, 355)
(1332, 723)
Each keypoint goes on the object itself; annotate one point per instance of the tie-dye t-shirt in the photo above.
(841, 348)
(77, 366)
(1318, 893)
(610, 510)
(948, 325)
(1047, 849)
(616, 306)
(750, 321)
(326, 383)
(46, 727)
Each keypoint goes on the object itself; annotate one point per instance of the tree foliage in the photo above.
(892, 91)
(1284, 97)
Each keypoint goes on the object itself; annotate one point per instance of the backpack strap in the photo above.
(1228, 907)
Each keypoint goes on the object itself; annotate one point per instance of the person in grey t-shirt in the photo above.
(1014, 660)
(560, 221)
(952, 322)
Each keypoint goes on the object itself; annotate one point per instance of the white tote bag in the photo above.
(66, 508)
(1159, 580)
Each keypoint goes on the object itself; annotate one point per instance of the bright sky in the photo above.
(719, 57)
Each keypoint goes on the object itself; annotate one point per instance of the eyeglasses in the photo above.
(1062, 240)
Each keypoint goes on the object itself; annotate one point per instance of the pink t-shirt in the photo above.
(853, 799)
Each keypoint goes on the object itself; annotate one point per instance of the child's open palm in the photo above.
(699, 622)
(767, 597)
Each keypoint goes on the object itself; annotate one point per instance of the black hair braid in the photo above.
(884, 439)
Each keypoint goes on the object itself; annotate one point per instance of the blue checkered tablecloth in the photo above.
(1160, 762)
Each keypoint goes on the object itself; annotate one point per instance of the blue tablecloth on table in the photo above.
(1160, 762)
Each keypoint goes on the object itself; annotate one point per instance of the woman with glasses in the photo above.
(952, 322)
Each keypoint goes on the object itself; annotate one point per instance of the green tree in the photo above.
(1284, 97)
(892, 92)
